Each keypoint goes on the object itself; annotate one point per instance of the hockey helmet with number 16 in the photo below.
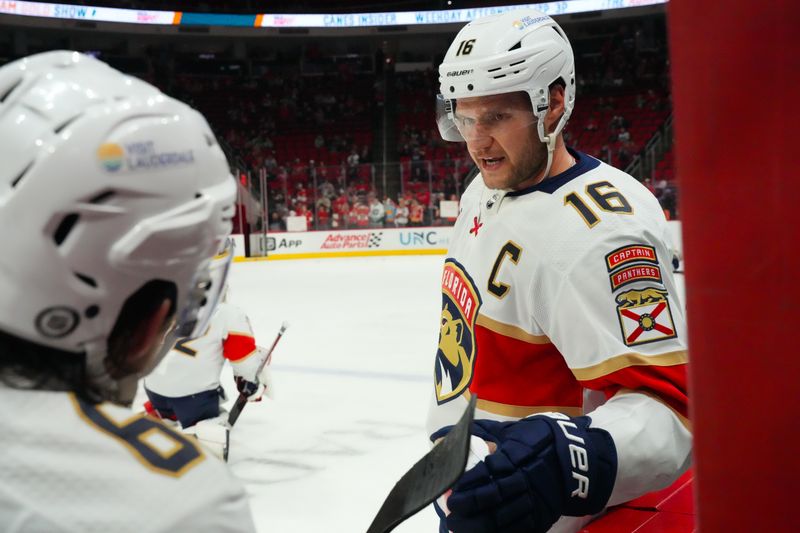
(520, 50)
(106, 186)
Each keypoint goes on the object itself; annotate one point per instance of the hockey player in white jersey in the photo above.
(185, 386)
(559, 308)
(113, 200)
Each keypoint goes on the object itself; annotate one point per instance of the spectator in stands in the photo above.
(302, 211)
(416, 213)
(361, 214)
(423, 196)
(376, 212)
(319, 141)
(326, 189)
(323, 214)
(389, 209)
(668, 201)
(276, 223)
(341, 212)
(401, 218)
(353, 160)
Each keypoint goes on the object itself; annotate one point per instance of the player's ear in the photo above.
(146, 336)
(557, 95)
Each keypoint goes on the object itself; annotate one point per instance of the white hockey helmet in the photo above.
(106, 184)
(519, 50)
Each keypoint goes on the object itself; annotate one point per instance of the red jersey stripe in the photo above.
(668, 383)
(514, 372)
(237, 346)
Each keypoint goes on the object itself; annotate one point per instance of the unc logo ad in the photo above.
(455, 357)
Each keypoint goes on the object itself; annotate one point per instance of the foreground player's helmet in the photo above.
(106, 184)
(520, 50)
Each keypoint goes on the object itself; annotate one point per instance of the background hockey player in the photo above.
(557, 296)
(113, 200)
(186, 384)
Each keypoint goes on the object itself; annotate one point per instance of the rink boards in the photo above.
(361, 242)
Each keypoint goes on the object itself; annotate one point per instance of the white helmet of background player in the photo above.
(520, 50)
(106, 185)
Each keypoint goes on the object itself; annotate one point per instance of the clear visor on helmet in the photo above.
(484, 117)
(207, 290)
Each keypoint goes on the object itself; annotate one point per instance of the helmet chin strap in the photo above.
(551, 146)
(550, 141)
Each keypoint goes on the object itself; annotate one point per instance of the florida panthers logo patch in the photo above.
(455, 357)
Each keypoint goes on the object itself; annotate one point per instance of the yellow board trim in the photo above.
(521, 411)
(217, 257)
(515, 332)
(630, 359)
(361, 253)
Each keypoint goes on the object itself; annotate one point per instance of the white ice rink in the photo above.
(353, 377)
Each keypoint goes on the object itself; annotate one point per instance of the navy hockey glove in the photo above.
(251, 389)
(544, 467)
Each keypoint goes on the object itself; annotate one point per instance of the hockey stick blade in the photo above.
(429, 478)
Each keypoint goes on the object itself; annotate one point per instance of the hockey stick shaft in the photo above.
(241, 401)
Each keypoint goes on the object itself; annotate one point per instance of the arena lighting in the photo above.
(320, 20)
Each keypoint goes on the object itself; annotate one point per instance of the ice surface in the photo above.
(353, 377)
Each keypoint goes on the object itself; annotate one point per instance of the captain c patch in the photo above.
(644, 316)
(455, 357)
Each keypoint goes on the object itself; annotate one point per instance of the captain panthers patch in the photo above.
(644, 316)
(455, 357)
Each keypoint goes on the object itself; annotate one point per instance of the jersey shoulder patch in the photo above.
(643, 310)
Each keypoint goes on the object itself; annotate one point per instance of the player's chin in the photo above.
(495, 180)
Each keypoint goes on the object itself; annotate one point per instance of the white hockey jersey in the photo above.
(194, 366)
(70, 466)
(560, 289)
